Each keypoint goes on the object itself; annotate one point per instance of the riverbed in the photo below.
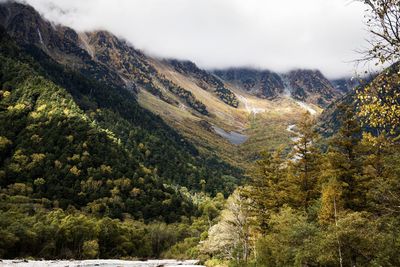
(100, 263)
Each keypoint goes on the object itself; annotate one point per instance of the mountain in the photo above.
(262, 83)
(75, 134)
(61, 43)
(310, 86)
(345, 85)
(222, 119)
(330, 119)
(229, 114)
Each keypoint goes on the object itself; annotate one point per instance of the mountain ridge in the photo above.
(199, 104)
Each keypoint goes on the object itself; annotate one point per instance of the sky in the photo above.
(279, 35)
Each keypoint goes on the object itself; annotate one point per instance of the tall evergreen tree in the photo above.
(304, 164)
(268, 186)
(344, 158)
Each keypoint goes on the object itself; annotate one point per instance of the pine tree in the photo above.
(304, 165)
(268, 186)
(344, 160)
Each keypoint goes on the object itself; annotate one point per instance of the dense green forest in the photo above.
(30, 228)
(74, 152)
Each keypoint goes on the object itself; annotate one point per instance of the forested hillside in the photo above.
(72, 143)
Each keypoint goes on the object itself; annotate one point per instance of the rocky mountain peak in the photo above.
(262, 83)
(311, 86)
(304, 85)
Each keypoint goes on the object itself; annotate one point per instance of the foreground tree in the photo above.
(343, 161)
(383, 22)
(380, 100)
(230, 237)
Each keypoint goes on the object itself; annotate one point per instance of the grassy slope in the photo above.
(266, 130)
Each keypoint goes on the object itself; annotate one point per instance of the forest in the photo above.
(85, 172)
(76, 153)
(327, 203)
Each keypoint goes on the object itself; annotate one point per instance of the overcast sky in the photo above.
(275, 34)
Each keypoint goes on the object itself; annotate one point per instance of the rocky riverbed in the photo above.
(100, 263)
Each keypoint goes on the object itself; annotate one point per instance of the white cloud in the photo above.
(274, 34)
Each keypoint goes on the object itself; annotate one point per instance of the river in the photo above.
(100, 263)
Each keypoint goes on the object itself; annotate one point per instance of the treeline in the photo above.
(328, 203)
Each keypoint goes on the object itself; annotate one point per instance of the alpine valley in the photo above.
(107, 152)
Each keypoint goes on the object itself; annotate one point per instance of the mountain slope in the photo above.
(205, 80)
(81, 143)
(98, 54)
(66, 154)
(330, 120)
(231, 115)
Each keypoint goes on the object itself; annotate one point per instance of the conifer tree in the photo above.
(344, 158)
(304, 165)
(268, 186)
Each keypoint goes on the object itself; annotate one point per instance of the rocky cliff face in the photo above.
(305, 85)
(63, 44)
(262, 83)
(119, 56)
(311, 86)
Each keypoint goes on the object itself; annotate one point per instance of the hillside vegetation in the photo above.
(79, 150)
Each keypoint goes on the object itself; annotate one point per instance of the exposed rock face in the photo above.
(262, 83)
(310, 86)
(62, 44)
